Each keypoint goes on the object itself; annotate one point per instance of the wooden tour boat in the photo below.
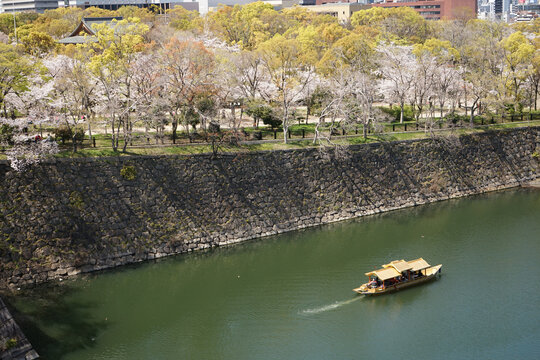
(397, 275)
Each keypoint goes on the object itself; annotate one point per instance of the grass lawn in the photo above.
(103, 142)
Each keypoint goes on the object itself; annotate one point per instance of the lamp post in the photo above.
(15, 24)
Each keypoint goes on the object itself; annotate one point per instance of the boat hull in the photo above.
(431, 273)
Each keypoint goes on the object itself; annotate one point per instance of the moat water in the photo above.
(289, 296)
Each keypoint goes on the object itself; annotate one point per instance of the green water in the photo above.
(289, 296)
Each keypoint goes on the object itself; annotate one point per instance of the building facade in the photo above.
(281, 4)
(115, 4)
(41, 5)
(435, 9)
(342, 11)
(321, 2)
(28, 5)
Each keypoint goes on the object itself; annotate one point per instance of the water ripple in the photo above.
(329, 307)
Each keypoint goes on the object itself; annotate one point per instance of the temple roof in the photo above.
(85, 33)
(86, 24)
(81, 39)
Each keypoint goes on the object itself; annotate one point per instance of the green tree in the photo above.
(7, 25)
(518, 55)
(58, 22)
(397, 24)
(115, 53)
(260, 110)
(242, 25)
(346, 51)
(182, 19)
(482, 61)
(15, 70)
(145, 15)
(38, 43)
(441, 49)
(534, 73)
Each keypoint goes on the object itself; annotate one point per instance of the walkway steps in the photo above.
(13, 343)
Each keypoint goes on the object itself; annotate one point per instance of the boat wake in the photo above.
(329, 307)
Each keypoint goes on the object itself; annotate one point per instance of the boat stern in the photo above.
(363, 289)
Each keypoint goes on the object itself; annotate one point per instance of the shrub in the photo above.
(6, 134)
(272, 120)
(214, 127)
(65, 133)
(454, 118)
(128, 172)
(76, 200)
(258, 109)
(395, 112)
(10, 343)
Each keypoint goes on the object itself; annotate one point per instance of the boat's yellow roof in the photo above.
(396, 267)
(385, 274)
(399, 265)
(418, 264)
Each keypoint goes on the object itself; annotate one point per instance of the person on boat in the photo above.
(373, 283)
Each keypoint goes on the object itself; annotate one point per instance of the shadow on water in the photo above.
(52, 307)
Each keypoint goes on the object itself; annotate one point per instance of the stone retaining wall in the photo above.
(68, 216)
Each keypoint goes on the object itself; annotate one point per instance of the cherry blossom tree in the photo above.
(289, 71)
(189, 66)
(396, 66)
(31, 98)
(149, 90)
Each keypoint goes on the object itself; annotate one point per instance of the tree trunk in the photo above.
(316, 136)
(74, 142)
(365, 129)
(402, 107)
(187, 132)
(174, 127)
(285, 120)
(285, 131)
(89, 130)
(117, 136)
(535, 95)
(162, 136)
(126, 131)
(466, 102)
(473, 108)
(113, 137)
